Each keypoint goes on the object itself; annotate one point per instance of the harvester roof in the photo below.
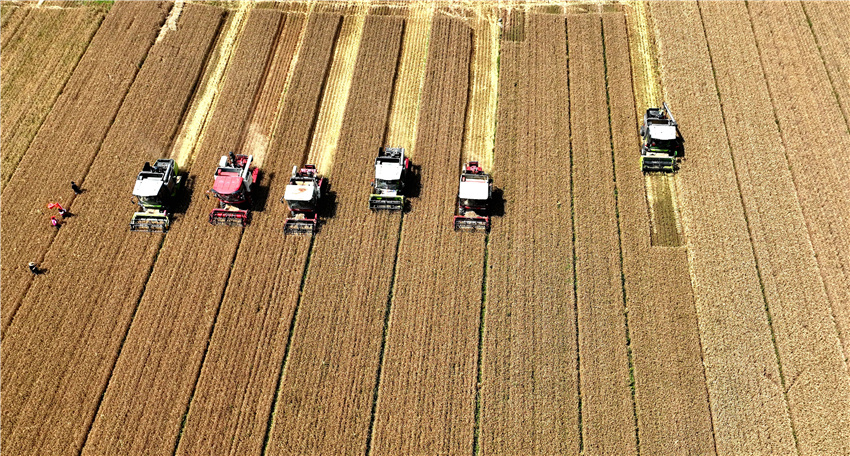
(301, 191)
(474, 189)
(148, 186)
(388, 171)
(662, 132)
(227, 184)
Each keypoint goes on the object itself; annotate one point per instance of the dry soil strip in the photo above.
(738, 351)
(169, 335)
(670, 392)
(79, 121)
(239, 379)
(529, 385)
(60, 351)
(816, 380)
(816, 143)
(607, 406)
(484, 88)
(329, 378)
(426, 399)
(404, 117)
(327, 134)
(36, 66)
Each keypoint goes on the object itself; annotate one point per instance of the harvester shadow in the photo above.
(497, 203)
(412, 186)
(184, 195)
(260, 193)
(327, 206)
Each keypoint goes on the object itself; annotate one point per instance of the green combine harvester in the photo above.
(155, 189)
(662, 143)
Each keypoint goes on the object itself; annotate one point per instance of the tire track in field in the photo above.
(239, 377)
(329, 372)
(58, 355)
(165, 344)
(36, 68)
(27, 235)
(738, 352)
(529, 387)
(607, 405)
(671, 397)
(426, 400)
(815, 142)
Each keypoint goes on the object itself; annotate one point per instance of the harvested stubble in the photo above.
(238, 381)
(36, 65)
(59, 352)
(169, 334)
(816, 142)
(529, 384)
(426, 396)
(749, 410)
(404, 116)
(608, 424)
(816, 381)
(329, 377)
(671, 399)
(78, 121)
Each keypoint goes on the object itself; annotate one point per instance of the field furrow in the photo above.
(36, 65)
(816, 380)
(12, 18)
(238, 382)
(607, 409)
(329, 378)
(828, 23)
(529, 384)
(816, 142)
(168, 337)
(748, 404)
(60, 349)
(671, 399)
(426, 398)
(78, 121)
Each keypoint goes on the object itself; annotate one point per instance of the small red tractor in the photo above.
(473, 198)
(233, 180)
(302, 196)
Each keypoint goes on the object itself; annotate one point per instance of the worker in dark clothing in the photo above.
(34, 268)
(76, 188)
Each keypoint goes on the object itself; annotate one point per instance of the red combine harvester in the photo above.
(232, 187)
(302, 196)
(473, 198)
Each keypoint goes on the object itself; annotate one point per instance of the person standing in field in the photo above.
(54, 222)
(76, 188)
(34, 268)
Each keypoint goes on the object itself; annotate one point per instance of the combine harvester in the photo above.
(662, 141)
(155, 189)
(391, 169)
(233, 180)
(473, 198)
(302, 197)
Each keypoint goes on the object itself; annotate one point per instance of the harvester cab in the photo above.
(232, 186)
(473, 198)
(391, 168)
(302, 196)
(153, 192)
(662, 141)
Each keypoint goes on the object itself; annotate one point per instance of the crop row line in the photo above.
(749, 228)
